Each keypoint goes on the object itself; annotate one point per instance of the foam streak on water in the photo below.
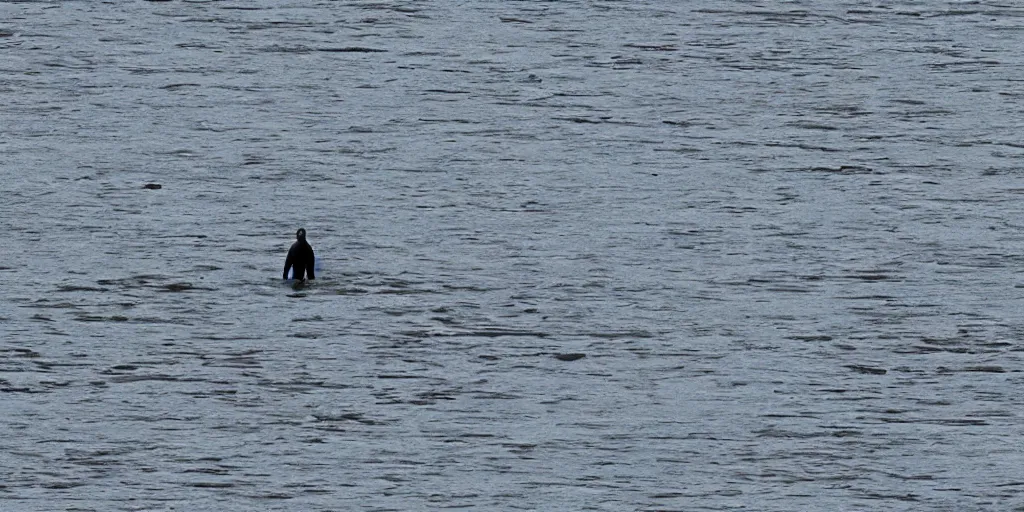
(577, 255)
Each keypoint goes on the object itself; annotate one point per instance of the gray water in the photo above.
(576, 255)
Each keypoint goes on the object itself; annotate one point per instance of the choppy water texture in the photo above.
(578, 255)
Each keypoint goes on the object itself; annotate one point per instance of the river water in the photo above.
(575, 255)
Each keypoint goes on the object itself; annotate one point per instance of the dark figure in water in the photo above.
(300, 258)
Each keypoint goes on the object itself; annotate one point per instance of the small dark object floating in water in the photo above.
(570, 357)
(153, 186)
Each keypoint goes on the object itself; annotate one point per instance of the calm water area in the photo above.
(577, 255)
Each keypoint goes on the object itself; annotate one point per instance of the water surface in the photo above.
(577, 255)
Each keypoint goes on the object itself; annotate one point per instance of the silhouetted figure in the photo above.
(300, 258)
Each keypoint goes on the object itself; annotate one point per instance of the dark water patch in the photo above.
(272, 496)
(18, 389)
(348, 417)
(219, 337)
(351, 49)
(171, 87)
(579, 120)
(182, 287)
(496, 332)
(431, 397)
(212, 485)
(844, 169)
(232, 362)
(811, 125)
(615, 335)
(134, 281)
(208, 471)
(62, 485)
(812, 337)
(281, 24)
(78, 454)
(77, 288)
(574, 356)
(494, 395)
(985, 369)
(48, 304)
(304, 385)
(47, 365)
(20, 353)
(946, 422)
(197, 267)
(652, 47)
(158, 320)
(867, 370)
(123, 379)
(869, 276)
(100, 318)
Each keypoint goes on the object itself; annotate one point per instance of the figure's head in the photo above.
(300, 234)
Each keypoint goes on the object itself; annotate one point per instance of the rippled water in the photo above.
(577, 255)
